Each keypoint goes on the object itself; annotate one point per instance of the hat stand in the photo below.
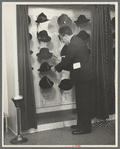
(18, 139)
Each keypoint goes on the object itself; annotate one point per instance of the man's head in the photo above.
(65, 34)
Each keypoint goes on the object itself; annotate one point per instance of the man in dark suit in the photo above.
(81, 74)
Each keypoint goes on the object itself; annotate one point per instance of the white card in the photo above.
(76, 65)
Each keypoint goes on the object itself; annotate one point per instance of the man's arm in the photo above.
(70, 55)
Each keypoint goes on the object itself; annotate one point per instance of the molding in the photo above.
(12, 130)
(56, 108)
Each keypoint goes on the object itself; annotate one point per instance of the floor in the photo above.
(103, 133)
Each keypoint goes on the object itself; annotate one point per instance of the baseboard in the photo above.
(12, 130)
(56, 108)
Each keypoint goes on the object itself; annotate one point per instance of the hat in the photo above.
(113, 22)
(46, 83)
(31, 52)
(63, 54)
(83, 35)
(81, 20)
(64, 20)
(29, 20)
(44, 67)
(65, 84)
(44, 53)
(30, 36)
(41, 18)
(43, 36)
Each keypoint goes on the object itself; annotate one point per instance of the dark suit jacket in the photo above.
(77, 52)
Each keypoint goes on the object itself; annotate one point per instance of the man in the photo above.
(81, 74)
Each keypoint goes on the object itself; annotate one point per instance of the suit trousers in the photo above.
(83, 105)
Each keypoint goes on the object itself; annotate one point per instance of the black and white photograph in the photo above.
(59, 74)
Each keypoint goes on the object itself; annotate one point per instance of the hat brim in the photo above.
(46, 57)
(79, 22)
(37, 21)
(64, 87)
(45, 40)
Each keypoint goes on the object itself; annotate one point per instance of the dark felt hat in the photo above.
(29, 20)
(44, 67)
(113, 22)
(41, 18)
(44, 53)
(30, 36)
(64, 20)
(81, 20)
(63, 54)
(65, 84)
(46, 83)
(43, 36)
(83, 35)
(31, 52)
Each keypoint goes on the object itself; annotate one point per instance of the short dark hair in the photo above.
(65, 30)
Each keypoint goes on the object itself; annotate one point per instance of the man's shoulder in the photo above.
(76, 41)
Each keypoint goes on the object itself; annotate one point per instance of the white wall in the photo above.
(9, 51)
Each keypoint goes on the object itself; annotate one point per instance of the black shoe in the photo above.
(78, 132)
(74, 127)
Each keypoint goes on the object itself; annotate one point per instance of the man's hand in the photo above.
(53, 69)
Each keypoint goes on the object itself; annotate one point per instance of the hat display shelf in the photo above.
(17, 100)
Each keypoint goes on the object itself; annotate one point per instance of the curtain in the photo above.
(102, 58)
(26, 86)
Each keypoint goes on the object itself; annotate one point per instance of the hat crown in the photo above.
(41, 18)
(44, 50)
(43, 34)
(82, 17)
(83, 35)
(64, 20)
(46, 83)
(66, 84)
(44, 53)
(45, 66)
